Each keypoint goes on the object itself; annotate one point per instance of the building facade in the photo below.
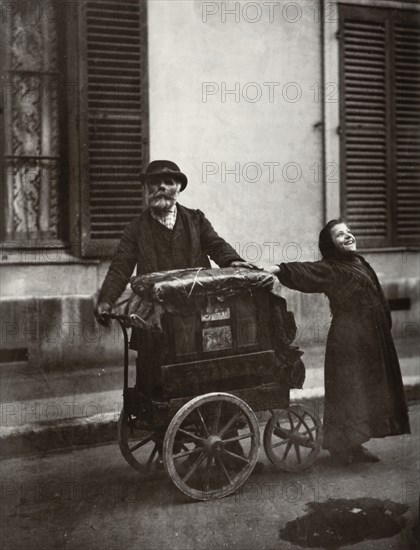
(282, 114)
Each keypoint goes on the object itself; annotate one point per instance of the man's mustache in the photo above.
(163, 195)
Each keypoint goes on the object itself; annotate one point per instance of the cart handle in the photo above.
(124, 319)
(118, 316)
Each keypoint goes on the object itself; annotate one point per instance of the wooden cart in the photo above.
(202, 374)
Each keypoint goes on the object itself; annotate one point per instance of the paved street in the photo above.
(91, 499)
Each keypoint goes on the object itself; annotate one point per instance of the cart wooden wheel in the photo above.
(293, 438)
(141, 448)
(211, 446)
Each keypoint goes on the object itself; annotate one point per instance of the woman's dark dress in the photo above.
(364, 395)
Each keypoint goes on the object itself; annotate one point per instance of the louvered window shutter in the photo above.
(379, 115)
(113, 120)
(407, 128)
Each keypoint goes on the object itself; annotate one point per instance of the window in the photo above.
(380, 124)
(75, 119)
(31, 58)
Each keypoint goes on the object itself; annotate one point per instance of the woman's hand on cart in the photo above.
(274, 269)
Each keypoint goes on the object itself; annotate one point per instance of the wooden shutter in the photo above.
(407, 111)
(114, 131)
(379, 120)
(364, 162)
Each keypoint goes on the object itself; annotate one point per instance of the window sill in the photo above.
(43, 257)
(45, 253)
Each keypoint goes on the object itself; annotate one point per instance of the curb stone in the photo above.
(42, 437)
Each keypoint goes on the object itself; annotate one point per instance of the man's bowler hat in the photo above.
(165, 168)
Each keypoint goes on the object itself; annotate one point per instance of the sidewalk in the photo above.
(82, 408)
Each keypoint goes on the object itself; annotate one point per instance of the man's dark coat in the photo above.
(137, 247)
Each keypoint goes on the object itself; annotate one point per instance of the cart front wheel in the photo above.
(211, 446)
(141, 448)
(293, 438)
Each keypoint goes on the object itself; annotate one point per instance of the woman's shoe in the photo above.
(361, 454)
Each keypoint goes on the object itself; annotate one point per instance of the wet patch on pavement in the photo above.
(340, 522)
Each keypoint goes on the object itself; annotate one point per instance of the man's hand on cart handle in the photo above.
(102, 311)
(248, 265)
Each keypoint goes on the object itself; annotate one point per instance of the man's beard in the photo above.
(162, 202)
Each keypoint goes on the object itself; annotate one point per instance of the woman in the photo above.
(364, 395)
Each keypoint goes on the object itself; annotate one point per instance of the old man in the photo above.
(165, 236)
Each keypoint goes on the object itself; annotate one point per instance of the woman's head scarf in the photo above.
(325, 243)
